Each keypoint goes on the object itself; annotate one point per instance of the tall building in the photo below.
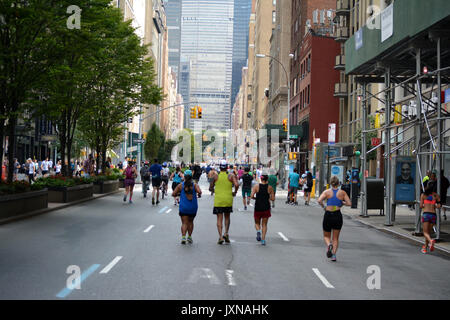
(242, 11)
(206, 53)
(173, 14)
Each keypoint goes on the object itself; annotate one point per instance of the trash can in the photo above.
(375, 195)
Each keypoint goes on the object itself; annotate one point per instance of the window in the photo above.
(274, 2)
(296, 25)
(308, 93)
(274, 16)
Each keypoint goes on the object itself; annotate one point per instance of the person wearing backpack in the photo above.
(188, 191)
(308, 189)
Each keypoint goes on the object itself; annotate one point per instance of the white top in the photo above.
(125, 164)
(165, 171)
(50, 164)
(45, 165)
(58, 168)
(31, 168)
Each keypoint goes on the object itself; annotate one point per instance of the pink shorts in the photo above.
(262, 214)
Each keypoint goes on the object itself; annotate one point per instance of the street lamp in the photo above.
(260, 55)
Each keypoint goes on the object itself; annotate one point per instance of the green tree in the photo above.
(153, 142)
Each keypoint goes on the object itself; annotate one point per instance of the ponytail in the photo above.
(188, 184)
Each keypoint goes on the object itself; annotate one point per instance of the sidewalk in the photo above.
(52, 206)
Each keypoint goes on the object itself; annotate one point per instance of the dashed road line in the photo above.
(168, 210)
(283, 236)
(322, 278)
(66, 291)
(111, 265)
(161, 211)
(149, 228)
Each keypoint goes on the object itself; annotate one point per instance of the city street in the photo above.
(133, 251)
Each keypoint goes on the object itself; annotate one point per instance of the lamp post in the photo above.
(260, 55)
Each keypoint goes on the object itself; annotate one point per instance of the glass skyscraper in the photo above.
(206, 53)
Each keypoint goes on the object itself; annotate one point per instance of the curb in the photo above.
(437, 248)
(46, 210)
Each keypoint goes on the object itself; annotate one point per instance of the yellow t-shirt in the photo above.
(223, 191)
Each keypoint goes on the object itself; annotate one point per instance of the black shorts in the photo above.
(156, 182)
(308, 190)
(166, 180)
(190, 215)
(332, 221)
(218, 210)
(174, 185)
(44, 172)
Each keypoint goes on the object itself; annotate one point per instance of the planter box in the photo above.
(106, 186)
(17, 204)
(70, 194)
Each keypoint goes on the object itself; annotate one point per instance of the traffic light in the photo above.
(292, 155)
(199, 112)
(193, 113)
(285, 124)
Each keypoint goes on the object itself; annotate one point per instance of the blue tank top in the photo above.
(177, 178)
(186, 206)
(334, 201)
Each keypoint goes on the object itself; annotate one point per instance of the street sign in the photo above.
(288, 141)
(293, 136)
(139, 141)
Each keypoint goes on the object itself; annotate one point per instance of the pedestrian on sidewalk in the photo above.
(444, 186)
(264, 193)
(58, 168)
(188, 191)
(130, 176)
(246, 187)
(222, 186)
(31, 170)
(332, 220)
(294, 181)
(308, 188)
(429, 201)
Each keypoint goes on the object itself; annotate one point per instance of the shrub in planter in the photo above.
(18, 187)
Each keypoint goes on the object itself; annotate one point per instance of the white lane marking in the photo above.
(111, 265)
(322, 278)
(149, 228)
(161, 211)
(168, 210)
(283, 236)
(229, 274)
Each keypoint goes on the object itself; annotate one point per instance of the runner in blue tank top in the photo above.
(177, 178)
(189, 192)
(332, 220)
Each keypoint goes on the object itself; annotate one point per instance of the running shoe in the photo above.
(220, 241)
(183, 240)
(263, 242)
(258, 236)
(273, 205)
(424, 249)
(227, 239)
(306, 203)
(432, 245)
(189, 239)
(125, 198)
(333, 257)
(131, 201)
(145, 195)
(157, 201)
(245, 208)
(153, 201)
(329, 252)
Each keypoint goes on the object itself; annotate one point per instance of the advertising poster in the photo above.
(338, 171)
(405, 175)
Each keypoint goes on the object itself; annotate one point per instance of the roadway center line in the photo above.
(168, 210)
(149, 228)
(66, 291)
(161, 211)
(283, 236)
(111, 265)
(322, 278)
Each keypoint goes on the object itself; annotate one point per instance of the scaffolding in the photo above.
(400, 67)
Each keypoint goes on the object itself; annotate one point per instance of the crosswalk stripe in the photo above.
(149, 228)
(111, 265)
(322, 278)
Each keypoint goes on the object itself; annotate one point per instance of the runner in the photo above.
(246, 187)
(223, 199)
(177, 178)
(294, 180)
(332, 220)
(308, 188)
(31, 170)
(165, 177)
(145, 176)
(44, 167)
(156, 169)
(211, 176)
(197, 172)
(189, 192)
(130, 175)
(264, 192)
(273, 182)
(58, 168)
(429, 201)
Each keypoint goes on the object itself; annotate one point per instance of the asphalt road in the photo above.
(133, 251)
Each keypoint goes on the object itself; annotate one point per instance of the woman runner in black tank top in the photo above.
(262, 193)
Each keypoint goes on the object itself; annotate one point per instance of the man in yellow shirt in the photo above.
(222, 186)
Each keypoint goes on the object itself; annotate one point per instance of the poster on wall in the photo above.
(405, 175)
(338, 171)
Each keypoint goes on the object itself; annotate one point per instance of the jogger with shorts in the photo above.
(189, 192)
(332, 220)
(429, 201)
(130, 175)
(264, 193)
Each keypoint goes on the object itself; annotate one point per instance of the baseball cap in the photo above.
(304, 175)
(188, 173)
(223, 164)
